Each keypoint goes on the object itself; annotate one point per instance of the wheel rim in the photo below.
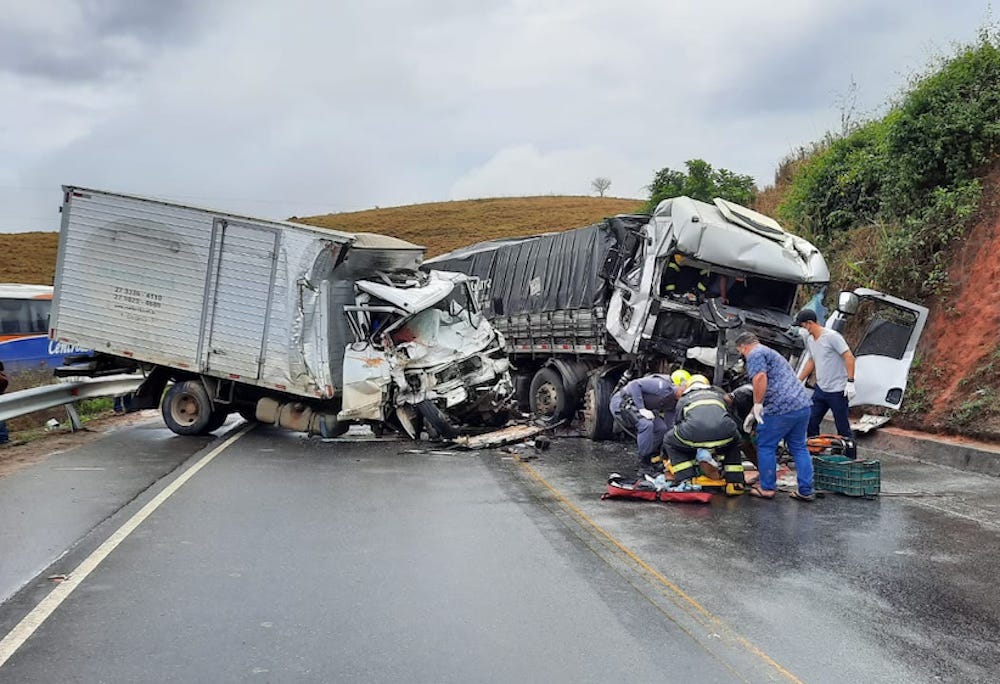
(546, 399)
(184, 409)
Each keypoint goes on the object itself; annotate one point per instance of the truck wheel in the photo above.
(248, 413)
(186, 408)
(548, 396)
(598, 423)
(435, 421)
(218, 418)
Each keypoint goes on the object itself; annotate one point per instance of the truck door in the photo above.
(886, 347)
(366, 369)
(631, 300)
(240, 299)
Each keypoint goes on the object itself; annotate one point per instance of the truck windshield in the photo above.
(458, 303)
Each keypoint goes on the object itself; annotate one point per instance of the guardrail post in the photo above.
(75, 423)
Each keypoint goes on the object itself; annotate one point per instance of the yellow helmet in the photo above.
(697, 382)
(680, 377)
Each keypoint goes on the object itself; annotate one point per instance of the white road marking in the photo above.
(33, 620)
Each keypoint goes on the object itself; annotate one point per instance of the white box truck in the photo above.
(293, 325)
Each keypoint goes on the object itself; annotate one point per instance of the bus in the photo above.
(24, 329)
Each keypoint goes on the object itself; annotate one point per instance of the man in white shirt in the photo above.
(833, 362)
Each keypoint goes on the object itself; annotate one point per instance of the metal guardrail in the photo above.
(14, 404)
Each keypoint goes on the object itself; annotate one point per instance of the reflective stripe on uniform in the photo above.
(704, 402)
(706, 445)
(734, 468)
(684, 466)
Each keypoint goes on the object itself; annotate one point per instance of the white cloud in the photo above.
(306, 107)
(524, 170)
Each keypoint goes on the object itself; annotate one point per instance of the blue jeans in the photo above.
(831, 401)
(4, 435)
(790, 427)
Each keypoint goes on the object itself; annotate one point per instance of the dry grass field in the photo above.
(28, 257)
(443, 226)
(440, 226)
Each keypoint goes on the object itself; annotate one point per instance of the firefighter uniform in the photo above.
(703, 421)
(658, 394)
(685, 280)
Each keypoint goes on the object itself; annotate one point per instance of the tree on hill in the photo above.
(600, 185)
(701, 182)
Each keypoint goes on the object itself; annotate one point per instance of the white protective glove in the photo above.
(849, 390)
(756, 415)
(646, 413)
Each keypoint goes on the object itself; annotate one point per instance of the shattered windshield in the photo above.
(426, 326)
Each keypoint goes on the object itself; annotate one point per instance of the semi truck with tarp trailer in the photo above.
(293, 325)
(584, 310)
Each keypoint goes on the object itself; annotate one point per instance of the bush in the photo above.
(913, 173)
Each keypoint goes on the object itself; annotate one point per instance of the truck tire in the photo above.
(248, 413)
(187, 408)
(548, 396)
(598, 423)
(218, 418)
(435, 421)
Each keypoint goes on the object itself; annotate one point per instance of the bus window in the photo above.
(24, 316)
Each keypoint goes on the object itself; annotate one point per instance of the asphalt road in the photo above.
(290, 559)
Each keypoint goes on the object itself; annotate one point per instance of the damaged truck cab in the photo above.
(287, 324)
(585, 310)
(698, 270)
(424, 335)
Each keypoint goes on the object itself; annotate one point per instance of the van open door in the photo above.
(883, 336)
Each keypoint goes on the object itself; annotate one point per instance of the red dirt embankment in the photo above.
(960, 348)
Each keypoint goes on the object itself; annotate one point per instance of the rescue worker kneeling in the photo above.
(703, 421)
(645, 407)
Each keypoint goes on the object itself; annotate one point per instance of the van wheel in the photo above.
(548, 396)
(598, 423)
(435, 421)
(187, 408)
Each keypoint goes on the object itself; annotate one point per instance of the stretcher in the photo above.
(643, 490)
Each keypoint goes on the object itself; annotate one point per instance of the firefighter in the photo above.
(645, 406)
(687, 282)
(703, 421)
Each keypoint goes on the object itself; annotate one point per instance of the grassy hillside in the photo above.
(28, 257)
(441, 226)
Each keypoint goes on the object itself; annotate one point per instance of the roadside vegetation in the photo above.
(888, 197)
(700, 182)
(893, 203)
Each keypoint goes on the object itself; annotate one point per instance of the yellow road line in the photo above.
(33, 620)
(653, 572)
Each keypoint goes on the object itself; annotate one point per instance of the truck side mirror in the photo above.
(848, 303)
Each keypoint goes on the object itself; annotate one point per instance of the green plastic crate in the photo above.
(841, 474)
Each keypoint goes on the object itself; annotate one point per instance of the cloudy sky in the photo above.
(304, 107)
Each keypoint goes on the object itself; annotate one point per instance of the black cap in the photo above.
(805, 315)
